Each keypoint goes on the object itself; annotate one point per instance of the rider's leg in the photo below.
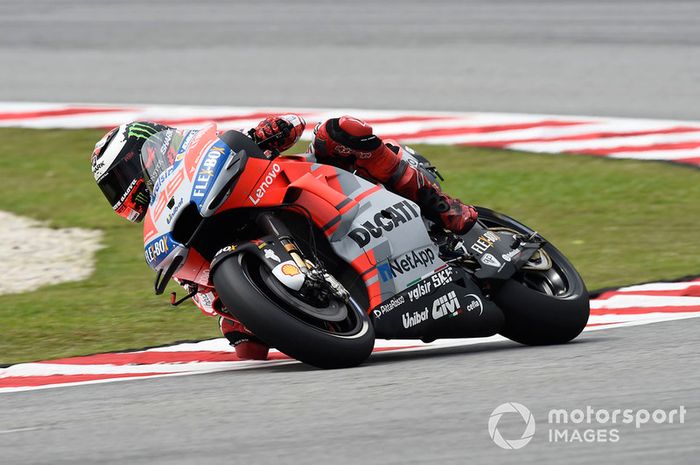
(350, 141)
(247, 345)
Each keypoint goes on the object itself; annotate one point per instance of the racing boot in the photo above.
(350, 142)
(247, 345)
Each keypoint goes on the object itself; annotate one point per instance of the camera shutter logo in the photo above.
(528, 433)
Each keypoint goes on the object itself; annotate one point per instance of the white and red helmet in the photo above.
(118, 171)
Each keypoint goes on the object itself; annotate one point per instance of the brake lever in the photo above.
(173, 296)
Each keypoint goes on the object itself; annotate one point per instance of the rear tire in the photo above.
(540, 308)
(241, 284)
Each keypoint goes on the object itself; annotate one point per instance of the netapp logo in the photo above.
(407, 262)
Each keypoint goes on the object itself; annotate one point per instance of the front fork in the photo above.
(317, 278)
(272, 226)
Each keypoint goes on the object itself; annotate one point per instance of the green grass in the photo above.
(619, 221)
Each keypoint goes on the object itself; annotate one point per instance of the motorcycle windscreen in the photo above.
(161, 151)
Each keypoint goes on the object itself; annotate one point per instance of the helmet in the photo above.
(117, 168)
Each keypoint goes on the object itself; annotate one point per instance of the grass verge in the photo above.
(619, 221)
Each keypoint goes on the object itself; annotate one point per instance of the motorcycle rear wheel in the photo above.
(254, 297)
(541, 307)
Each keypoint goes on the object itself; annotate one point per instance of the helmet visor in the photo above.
(125, 190)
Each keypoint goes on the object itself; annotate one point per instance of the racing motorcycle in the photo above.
(318, 261)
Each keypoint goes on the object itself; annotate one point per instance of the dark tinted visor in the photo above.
(120, 179)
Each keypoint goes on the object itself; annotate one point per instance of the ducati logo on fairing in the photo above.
(265, 184)
(385, 220)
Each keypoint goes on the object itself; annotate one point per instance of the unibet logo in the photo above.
(445, 305)
(412, 320)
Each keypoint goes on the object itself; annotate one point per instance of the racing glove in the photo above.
(278, 133)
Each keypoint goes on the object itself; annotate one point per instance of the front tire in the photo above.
(244, 286)
(540, 307)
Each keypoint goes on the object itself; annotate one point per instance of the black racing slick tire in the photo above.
(246, 289)
(541, 308)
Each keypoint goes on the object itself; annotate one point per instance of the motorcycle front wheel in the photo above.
(335, 334)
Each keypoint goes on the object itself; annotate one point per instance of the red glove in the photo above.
(278, 133)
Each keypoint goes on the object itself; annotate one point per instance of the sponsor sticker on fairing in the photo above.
(386, 220)
(265, 184)
(411, 320)
(271, 255)
(208, 170)
(450, 305)
(488, 259)
(427, 286)
(157, 250)
(484, 242)
(228, 248)
(289, 274)
(389, 306)
(446, 305)
(405, 263)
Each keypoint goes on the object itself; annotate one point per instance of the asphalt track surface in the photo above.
(604, 58)
(624, 58)
(430, 407)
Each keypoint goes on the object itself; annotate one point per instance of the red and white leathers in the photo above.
(349, 143)
(247, 345)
